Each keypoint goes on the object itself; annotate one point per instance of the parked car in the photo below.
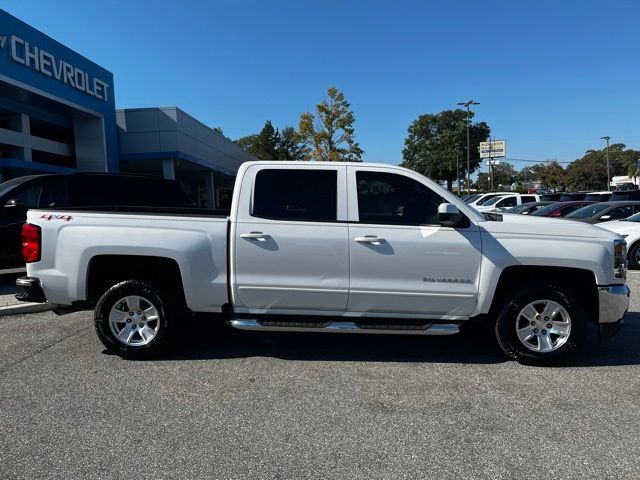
(75, 190)
(598, 196)
(572, 196)
(604, 212)
(626, 195)
(528, 208)
(482, 198)
(628, 228)
(560, 209)
(503, 202)
(403, 256)
(551, 197)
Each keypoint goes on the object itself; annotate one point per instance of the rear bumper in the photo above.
(614, 303)
(31, 290)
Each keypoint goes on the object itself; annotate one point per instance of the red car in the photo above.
(560, 209)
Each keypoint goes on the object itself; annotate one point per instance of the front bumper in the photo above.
(31, 290)
(614, 303)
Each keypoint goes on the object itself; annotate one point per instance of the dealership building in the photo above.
(58, 115)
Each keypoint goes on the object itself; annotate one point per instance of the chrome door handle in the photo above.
(255, 236)
(370, 239)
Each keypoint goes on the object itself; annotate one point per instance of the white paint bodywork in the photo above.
(318, 268)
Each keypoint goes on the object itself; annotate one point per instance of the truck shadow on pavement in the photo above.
(217, 341)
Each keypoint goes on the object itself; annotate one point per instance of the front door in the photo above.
(290, 249)
(401, 260)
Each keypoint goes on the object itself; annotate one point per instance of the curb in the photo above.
(25, 308)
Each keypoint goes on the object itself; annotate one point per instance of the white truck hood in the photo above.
(532, 225)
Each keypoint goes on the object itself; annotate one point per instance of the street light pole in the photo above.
(607, 138)
(467, 104)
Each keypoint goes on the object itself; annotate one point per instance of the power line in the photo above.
(533, 161)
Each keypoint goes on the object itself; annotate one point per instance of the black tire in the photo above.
(165, 304)
(633, 263)
(508, 318)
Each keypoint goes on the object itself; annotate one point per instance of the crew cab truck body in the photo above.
(341, 247)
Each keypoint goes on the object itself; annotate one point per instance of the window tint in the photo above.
(150, 192)
(528, 198)
(618, 213)
(28, 196)
(507, 202)
(55, 192)
(93, 191)
(392, 199)
(296, 195)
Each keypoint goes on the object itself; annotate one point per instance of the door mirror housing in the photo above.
(449, 215)
(13, 203)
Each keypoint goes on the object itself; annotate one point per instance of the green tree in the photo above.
(551, 174)
(328, 134)
(437, 142)
(504, 174)
(291, 147)
(590, 171)
(264, 145)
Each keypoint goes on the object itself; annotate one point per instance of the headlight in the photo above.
(619, 259)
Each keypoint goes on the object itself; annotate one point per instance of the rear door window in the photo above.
(301, 195)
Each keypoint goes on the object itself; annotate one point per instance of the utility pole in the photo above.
(607, 138)
(458, 170)
(467, 104)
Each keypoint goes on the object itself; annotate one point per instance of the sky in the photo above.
(552, 77)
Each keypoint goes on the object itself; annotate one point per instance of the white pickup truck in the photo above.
(331, 247)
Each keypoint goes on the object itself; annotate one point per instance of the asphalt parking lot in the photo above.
(239, 405)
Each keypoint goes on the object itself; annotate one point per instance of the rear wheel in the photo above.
(132, 318)
(541, 326)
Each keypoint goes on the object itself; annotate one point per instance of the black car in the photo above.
(76, 190)
(605, 211)
(625, 195)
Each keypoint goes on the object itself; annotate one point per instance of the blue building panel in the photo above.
(34, 61)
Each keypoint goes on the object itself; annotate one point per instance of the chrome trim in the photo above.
(613, 302)
(27, 282)
(347, 327)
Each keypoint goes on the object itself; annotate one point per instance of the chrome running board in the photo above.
(347, 327)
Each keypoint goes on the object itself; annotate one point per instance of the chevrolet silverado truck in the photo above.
(331, 247)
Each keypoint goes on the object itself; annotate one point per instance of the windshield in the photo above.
(632, 218)
(9, 185)
(484, 200)
(544, 211)
(588, 211)
(472, 198)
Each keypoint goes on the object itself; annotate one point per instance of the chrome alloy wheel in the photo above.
(543, 326)
(134, 320)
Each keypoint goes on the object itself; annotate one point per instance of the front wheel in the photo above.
(132, 318)
(541, 326)
(634, 257)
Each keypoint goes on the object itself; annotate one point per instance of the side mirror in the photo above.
(13, 203)
(449, 215)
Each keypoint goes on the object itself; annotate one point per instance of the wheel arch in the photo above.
(581, 282)
(104, 271)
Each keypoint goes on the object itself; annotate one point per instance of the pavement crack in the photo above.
(46, 347)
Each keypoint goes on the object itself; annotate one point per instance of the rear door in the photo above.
(290, 249)
(402, 262)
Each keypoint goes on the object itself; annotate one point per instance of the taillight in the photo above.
(31, 243)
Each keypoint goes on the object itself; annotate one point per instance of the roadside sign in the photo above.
(493, 149)
(492, 162)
